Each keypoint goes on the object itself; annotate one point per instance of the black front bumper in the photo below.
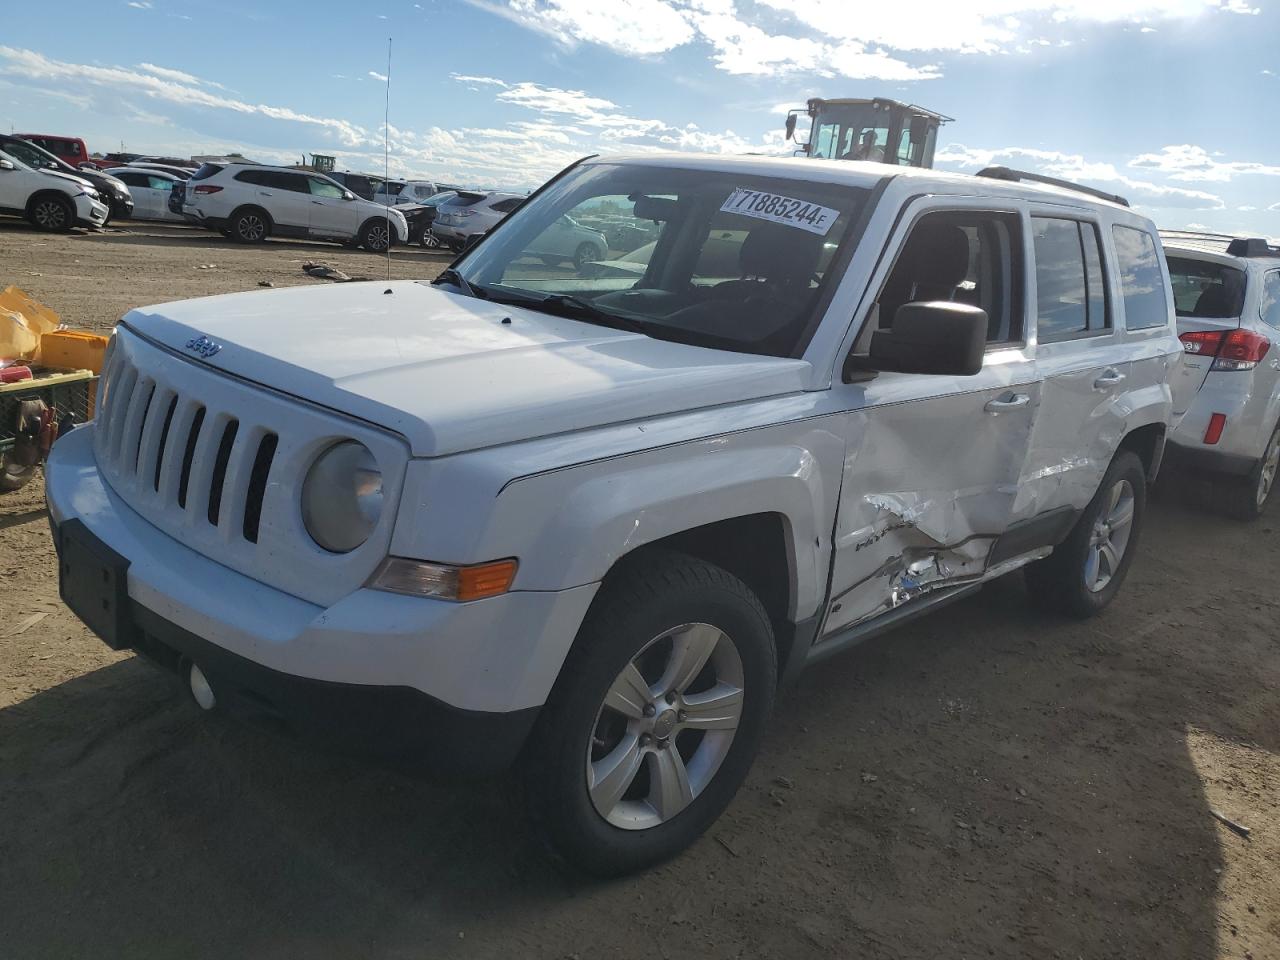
(397, 724)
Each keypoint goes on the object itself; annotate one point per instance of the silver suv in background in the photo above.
(1227, 295)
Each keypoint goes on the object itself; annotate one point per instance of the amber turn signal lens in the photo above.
(485, 579)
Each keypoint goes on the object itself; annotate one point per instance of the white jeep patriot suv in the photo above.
(590, 522)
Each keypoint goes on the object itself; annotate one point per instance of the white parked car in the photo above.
(249, 202)
(471, 214)
(394, 192)
(594, 524)
(150, 190)
(48, 199)
(1227, 293)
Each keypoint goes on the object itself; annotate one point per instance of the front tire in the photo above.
(585, 253)
(375, 236)
(1085, 571)
(52, 214)
(656, 717)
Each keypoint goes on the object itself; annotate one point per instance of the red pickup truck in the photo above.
(69, 149)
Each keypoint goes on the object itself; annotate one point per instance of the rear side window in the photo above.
(1070, 292)
(1203, 289)
(506, 206)
(1141, 280)
(207, 170)
(466, 199)
(1271, 299)
(257, 177)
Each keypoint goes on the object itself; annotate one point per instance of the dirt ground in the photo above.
(981, 783)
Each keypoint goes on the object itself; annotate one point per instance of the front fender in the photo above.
(569, 526)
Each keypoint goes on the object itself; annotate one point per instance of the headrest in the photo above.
(780, 253)
(936, 253)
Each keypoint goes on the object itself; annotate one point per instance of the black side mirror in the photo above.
(919, 129)
(791, 126)
(935, 337)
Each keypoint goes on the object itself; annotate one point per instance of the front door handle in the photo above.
(1010, 401)
(1109, 378)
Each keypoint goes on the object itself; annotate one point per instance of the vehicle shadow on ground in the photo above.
(148, 233)
(982, 782)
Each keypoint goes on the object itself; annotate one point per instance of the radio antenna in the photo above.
(386, 154)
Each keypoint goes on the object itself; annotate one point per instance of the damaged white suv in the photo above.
(591, 521)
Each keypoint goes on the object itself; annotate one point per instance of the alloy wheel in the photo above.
(1110, 537)
(51, 215)
(1270, 466)
(665, 726)
(252, 227)
(377, 238)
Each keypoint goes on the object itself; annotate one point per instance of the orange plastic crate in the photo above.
(73, 350)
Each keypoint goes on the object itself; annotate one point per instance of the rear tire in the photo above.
(615, 789)
(250, 226)
(1246, 498)
(1085, 571)
(14, 476)
(52, 213)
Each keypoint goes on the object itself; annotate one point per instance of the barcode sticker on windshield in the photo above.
(779, 209)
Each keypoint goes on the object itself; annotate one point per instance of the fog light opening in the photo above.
(200, 689)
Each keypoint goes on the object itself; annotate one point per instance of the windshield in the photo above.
(32, 155)
(709, 257)
(16, 162)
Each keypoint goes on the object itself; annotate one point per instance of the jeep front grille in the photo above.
(216, 463)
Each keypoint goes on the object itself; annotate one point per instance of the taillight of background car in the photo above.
(207, 188)
(1231, 350)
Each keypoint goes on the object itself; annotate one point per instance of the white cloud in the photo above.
(478, 81)
(178, 76)
(140, 4)
(1186, 162)
(1075, 167)
(30, 66)
(834, 38)
(380, 77)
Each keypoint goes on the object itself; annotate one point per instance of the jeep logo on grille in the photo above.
(203, 347)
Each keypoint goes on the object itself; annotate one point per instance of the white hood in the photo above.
(443, 369)
(78, 181)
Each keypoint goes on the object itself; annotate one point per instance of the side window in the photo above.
(131, 179)
(256, 177)
(73, 148)
(967, 256)
(159, 183)
(1271, 299)
(1141, 280)
(1070, 293)
(322, 188)
(293, 182)
(506, 206)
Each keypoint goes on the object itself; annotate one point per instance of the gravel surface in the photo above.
(984, 782)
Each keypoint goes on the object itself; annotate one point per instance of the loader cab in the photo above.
(879, 130)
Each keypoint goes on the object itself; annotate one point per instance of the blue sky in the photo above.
(1172, 103)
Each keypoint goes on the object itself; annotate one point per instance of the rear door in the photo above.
(1083, 372)
(933, 462)
(332, 215)
(140, 189)
(287, 198)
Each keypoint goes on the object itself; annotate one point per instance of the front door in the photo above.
(332, 215)
(933, 462)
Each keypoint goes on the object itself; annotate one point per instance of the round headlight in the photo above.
(342, 497)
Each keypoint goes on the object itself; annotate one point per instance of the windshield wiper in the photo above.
(576, 308)
(450, 275)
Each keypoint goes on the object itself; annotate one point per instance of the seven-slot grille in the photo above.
(217, 464)
(176, 451)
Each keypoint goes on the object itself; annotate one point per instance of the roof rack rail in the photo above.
(1017, 176)
(1198, 235)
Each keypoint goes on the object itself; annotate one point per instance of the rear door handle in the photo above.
(1010, 401)
(1109, 378)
